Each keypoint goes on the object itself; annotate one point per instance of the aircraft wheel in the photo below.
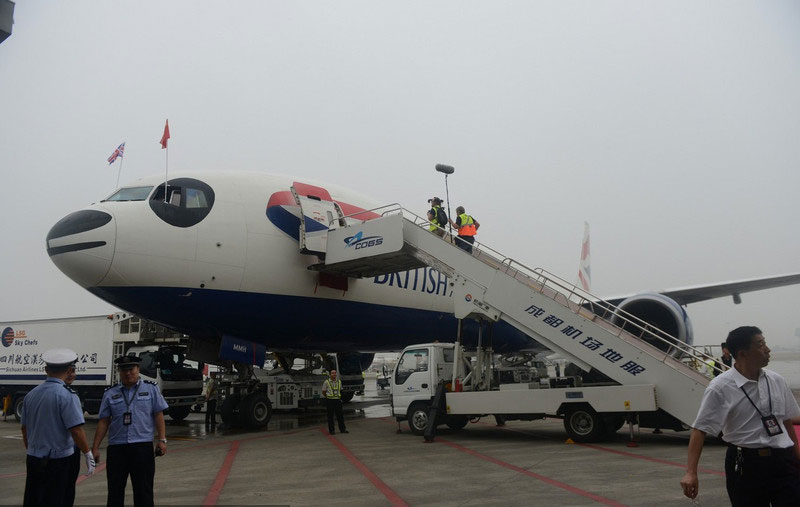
(255, 410)
(229, 410)
(347, 396)
(584, 425)
(418, 417)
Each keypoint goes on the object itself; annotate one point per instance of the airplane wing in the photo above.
(687, 295)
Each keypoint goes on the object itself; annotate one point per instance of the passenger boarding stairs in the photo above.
(555, 313)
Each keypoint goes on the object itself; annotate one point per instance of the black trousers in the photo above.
(211, 411)
(335, 406)
(465, 243)
(46, 482)
(136, 460)
(74, 470)
(765, 480)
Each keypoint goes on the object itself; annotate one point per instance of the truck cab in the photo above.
(416, 375)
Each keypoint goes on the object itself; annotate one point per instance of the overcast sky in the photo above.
(672, 127)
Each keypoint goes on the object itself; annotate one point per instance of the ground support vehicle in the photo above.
(589, 412)
(98, 340)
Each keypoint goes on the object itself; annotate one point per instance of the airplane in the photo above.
(223, 254)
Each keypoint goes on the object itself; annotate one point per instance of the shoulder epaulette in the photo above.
(68, 388)
(151, 382)
(111, 387)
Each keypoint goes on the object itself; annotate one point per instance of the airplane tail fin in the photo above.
(584, 269)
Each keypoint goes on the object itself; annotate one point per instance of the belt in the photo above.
(763, 452)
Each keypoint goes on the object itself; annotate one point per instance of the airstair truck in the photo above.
(589, 412)
(97, 340)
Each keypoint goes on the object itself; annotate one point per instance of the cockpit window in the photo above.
(130, 194)
(187, 201)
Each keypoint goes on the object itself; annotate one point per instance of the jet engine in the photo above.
(658, 312)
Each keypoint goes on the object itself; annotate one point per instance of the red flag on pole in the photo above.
(165, 136)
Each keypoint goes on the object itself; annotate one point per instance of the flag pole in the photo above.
(119, 171)
(165, 146)
(166, 174)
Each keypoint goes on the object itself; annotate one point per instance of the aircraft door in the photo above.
(412, 378)
(316, 217)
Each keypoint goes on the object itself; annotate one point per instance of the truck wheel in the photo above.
(229, 410)
(179, 413)
(255, 410)
(457, 422)
(418, 418)
(584, 425)
(347, 396)
(17, 403)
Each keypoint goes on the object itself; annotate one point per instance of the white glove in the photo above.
(89, 457)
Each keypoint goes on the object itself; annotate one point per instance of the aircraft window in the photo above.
(412, 361)
(130, 194)
(195, 198)
(188, 202)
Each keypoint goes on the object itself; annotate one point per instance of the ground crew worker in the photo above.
(437, 217)
(211, 400)
(130, 412)
(332, 391)
(753, 408)
(726, 358)
(52, 425)
(467, 229)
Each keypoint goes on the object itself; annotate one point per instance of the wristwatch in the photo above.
(164, 440)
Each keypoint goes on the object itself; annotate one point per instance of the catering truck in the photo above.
(518, 387)
(98, 340)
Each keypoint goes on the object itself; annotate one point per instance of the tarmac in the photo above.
(296, 462)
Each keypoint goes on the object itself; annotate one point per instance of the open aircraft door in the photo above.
(318, 212)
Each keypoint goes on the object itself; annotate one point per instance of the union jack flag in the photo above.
(117, 153)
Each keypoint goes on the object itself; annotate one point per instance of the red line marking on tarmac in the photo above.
(8, 476)
(626, 454)
(388, 492)
(222, 476)
(99, 468)
(552, 482)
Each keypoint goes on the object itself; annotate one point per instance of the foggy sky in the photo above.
(673, 128)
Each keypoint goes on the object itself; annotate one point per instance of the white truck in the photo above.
(97, 341)
(477, 387)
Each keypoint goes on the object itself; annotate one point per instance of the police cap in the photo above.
(59, 357)
(126, 362)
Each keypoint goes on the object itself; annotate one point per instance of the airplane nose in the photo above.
(82, 244)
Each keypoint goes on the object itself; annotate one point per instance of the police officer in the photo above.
(130, 412)
(52, 425)
(332, 391)
(75, 463)
(467, 228)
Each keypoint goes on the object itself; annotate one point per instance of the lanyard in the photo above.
(769, 396)
(128, 403)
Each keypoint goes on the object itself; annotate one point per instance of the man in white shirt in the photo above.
(753, 408)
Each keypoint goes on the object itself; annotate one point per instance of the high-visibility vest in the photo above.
(435, 223)
(333, 390)
(467, 226)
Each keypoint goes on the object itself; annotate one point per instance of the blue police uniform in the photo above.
(49, 411)
(130, 439)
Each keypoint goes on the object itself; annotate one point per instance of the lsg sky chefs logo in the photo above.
(359, 241)
(8, 337)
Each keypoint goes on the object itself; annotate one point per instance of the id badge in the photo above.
(771, 425)
(126, 419)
